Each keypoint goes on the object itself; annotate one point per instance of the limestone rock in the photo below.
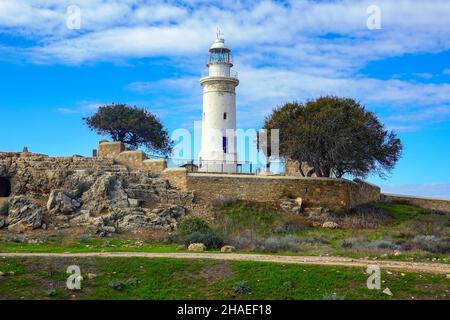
(23, 215)
(81, 191)
(228, 249)
(92, 276)
(105, 194)
(330, 225)
(388, 292)
(61, 201)
(197, 247)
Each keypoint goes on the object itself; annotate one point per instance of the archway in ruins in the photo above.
(5, 187)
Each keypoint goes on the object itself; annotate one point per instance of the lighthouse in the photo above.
(218, 146)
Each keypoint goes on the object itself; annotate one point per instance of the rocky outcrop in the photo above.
(61, 202)
(84, 191)
(160, 218)
(23, 215)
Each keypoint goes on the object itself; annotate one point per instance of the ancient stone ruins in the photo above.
(121, 190)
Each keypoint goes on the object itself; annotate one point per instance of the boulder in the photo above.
(330, 225)
(23, 215)
(92, 276)
(164, 217)
(197, 247)
(228, 249)
(105, 194)
(314, 211)
(62, 202)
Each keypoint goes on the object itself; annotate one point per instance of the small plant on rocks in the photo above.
(117, 285)
(51, 292)
(242, 287)
(4, 209)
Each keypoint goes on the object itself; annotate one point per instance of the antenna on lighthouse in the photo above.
(219, 33)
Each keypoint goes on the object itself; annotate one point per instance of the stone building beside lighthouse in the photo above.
(218, 146)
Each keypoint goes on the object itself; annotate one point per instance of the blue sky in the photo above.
(151, 53)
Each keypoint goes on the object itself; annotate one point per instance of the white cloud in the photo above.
(437, 190)
(284, 50)
(82, 107)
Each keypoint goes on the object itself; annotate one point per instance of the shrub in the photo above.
(360, 244)
(51, 292)
(432, 244)
(333, 296)
(116, 285)
(242, 287)
(209, 239)
(288, 285)
(242, 216)
(290, 227)
(4, 209)
(284, 244)
(193, 224)
(84, 238)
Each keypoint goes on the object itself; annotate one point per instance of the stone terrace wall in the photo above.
(133, 159)
(336, 194)
(33, 174)
(422, 202)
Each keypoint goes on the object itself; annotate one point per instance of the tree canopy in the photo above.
(335, 136)
(135, 127)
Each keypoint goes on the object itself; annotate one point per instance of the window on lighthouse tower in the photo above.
(225, 144)
(225, 116)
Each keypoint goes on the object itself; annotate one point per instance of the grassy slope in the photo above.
(264, 221)
(202, 279)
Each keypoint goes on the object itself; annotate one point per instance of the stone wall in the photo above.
(422, 202)
(134, 159)
(292, 168)
(110, 150)
(336, 194)
(177, 177)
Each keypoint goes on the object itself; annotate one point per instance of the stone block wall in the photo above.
(422, 202)
(135, 160)
(110, 150)
(336, 194)
(177, 177)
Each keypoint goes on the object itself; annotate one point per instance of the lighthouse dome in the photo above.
(219, 44)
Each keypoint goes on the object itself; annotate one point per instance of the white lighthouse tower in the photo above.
(218, 150)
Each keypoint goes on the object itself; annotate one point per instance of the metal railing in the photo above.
(207, 73)
(213, 166)
(214, 58)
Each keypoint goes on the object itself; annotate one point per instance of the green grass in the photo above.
(205, 279)
(96, 245)
(401, 212)
(239, 216)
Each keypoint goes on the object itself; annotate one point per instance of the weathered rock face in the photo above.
(83, 191)
(23, 215)
(62, 202)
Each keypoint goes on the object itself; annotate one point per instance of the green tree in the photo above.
(335, 136)
(133, 126)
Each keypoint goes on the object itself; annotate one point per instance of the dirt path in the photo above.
(437, 268)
